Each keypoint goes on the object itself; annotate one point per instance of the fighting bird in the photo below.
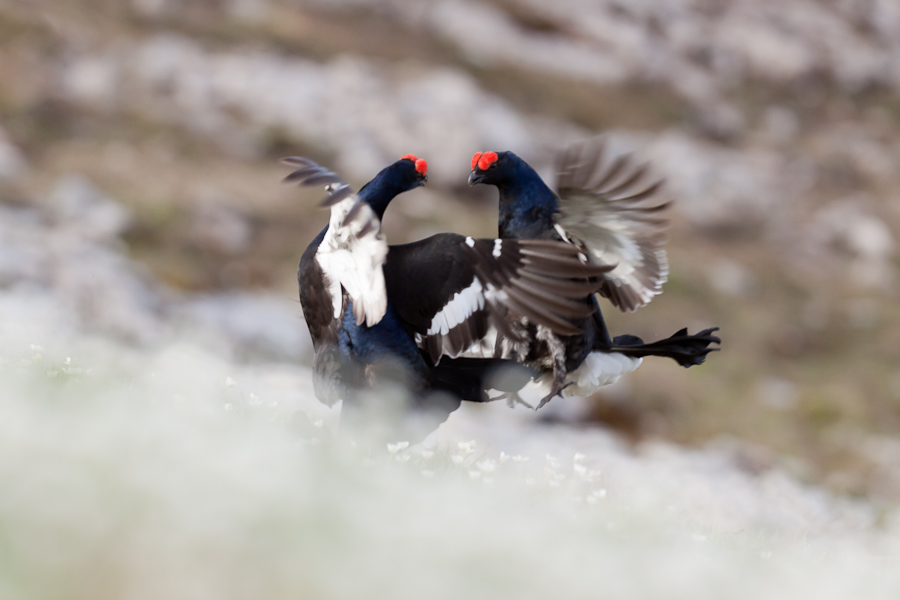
(609, 211)
(369, 306)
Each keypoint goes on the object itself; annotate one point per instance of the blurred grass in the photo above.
(133, 475)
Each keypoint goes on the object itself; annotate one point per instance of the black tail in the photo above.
(687, 350)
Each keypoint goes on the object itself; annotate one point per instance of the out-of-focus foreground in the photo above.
(139, 201)
(177, 475)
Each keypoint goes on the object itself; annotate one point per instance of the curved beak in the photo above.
(423, 180)
(475, 177)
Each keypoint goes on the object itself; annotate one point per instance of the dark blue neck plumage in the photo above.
(383, 188)
(388, 338)
(527, 205)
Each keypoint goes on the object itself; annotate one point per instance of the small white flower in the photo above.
(68, 361)
(229, 382)
(474, 474)
(319, 423)
(457, 459)
(254, 400)
(504, 457)
(580, 469)
(550, 458)
(520, 459)
(467, 447)
(228, 407)
(578, 457)
(36, 348)
(427, 474)
(487, 465)
(395, 448)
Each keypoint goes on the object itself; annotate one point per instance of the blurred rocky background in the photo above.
(139, 181)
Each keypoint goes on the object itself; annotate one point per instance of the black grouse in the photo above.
(369, 306)
(607, 210)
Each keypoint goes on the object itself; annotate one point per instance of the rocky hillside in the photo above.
(775, 124)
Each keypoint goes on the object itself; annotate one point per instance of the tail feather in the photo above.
(685, 349)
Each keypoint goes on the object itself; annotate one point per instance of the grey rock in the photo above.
(251, 326)
(365, 112)
(219, 228)
(78, 205)
(12, 161)
(716, 186)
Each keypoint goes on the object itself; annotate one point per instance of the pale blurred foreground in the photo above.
(174, 473)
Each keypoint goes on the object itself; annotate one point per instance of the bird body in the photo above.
(602, 211)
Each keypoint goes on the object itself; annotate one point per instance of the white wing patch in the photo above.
(610, 241)
(458, 309)
(351, 256)
(543, 282)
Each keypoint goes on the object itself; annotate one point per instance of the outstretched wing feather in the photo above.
(354, 250)
(606, 209)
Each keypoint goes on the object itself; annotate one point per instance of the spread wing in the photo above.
(456, 291)
(353, 251)
(609, 207)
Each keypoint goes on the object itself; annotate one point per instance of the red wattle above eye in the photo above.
(486, 160)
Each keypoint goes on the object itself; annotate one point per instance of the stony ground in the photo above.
(141, 221)
(775, 125)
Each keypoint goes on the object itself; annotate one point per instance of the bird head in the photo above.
(406, 174)
(490, 167)
(412, 170)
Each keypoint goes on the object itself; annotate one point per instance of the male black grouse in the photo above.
(366, 305)
(603, 210)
